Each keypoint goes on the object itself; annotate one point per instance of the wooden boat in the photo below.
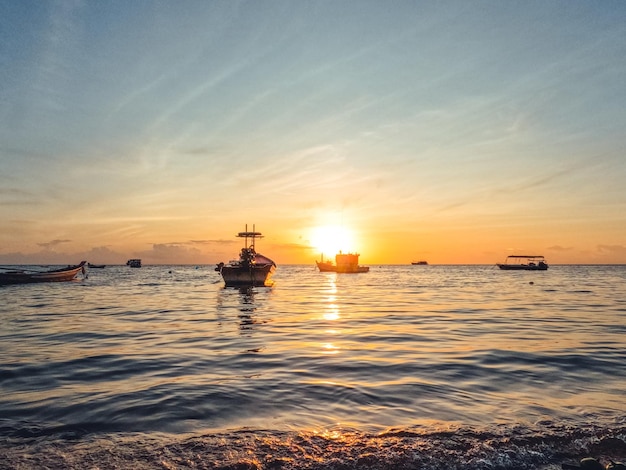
(326, 266)
(134, 263)
(252, 268)
(344, 263)
(29, 276)
(419, 263)
(524, 263)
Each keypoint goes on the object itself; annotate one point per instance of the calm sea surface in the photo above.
(404, 367)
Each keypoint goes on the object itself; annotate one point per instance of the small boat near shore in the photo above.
(252, 268)
(344, 263)
(30, 276)
(524, 263)
(96, 266)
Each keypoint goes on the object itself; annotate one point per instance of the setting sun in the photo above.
(331, 239)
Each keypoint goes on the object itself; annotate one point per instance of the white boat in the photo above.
(134, 263)
(252, 268)
(524, 263)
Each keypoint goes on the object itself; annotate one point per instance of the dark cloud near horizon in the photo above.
(163, 252)
(53, 243)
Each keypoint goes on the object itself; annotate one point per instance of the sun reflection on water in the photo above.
(332, 307)
(331, 314)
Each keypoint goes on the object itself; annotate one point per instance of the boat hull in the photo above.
(57, 275)
(523, 267)
(352, 269)
(256, 275)
(326, 267)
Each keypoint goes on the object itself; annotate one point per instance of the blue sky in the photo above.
(158, 129)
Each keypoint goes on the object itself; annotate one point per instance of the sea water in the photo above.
(404, 367)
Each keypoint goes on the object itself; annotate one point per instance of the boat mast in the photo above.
(253, 235)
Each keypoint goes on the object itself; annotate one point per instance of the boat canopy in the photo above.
(250, 234)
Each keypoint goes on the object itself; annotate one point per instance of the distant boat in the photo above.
(134, 263)
(419, 263)
(344, 263)
(252, 268)
(524, 263)
(29, 276)
(326, 266)
(96, 266)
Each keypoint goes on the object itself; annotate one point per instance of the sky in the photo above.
(450, 131)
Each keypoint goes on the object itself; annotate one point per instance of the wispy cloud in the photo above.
(612, 249)
(559, 248)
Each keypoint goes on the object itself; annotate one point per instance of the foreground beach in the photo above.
(333, 449)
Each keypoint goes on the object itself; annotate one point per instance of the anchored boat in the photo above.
(252, 268)
(344, 263)
(524, 263)
(29, 276)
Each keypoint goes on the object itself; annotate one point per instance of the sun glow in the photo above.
(331, 239)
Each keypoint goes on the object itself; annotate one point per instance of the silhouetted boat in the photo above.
(524, 263)
(326, 266)
(134, 263)
(96, 266)
(29, 276)
(252, 268)
(419, 263)
(344, 263)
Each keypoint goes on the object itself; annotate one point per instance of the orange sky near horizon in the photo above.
(379, 246)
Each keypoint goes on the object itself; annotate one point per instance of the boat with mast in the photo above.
(252, 268)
